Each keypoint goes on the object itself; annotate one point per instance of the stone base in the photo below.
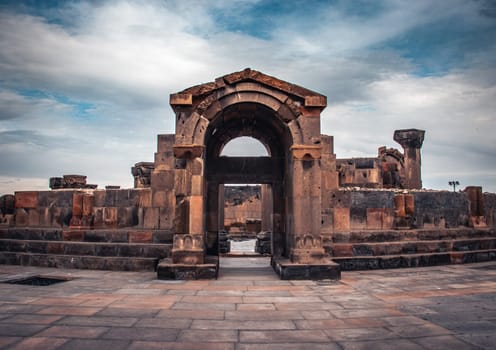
(167, 270)
(288, 270)
(188, 257)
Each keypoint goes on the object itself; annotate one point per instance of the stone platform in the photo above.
(249, 308)
(385, 249)
(120, 250)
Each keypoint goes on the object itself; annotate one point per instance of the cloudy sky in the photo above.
(84, 85)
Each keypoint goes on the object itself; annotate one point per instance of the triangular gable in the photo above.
(197, 92)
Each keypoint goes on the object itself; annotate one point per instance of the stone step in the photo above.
(110, 236)
(410, 235)
(411, 247)
(87, 248)
(79, 261)
(413, 260)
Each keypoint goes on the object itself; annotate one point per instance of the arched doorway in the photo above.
(257, 121)
(286, 119)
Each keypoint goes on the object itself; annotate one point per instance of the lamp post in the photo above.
(454, 183)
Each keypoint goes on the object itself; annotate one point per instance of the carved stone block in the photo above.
(26, 199)
(188, 249)
(341, 219)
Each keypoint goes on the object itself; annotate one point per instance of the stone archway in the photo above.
(257, 121)
(286, 119)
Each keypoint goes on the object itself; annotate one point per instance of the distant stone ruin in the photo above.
(324, 214)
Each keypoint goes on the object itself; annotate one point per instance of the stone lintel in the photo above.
(188, 151)
(306, 152)
(316, 101)
(181, 99)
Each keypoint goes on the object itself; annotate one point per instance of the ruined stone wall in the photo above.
(238, 214)
(88, 209)
(441, 209)
(359, 210)
(241, 203)
(390, 169)
(361, 172)
(43, 208)
(363, 209)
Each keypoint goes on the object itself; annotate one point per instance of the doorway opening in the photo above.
(241, 232)
(246, 227)
(246, 192)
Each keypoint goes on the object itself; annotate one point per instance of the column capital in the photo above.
(409, 138)
(306, 152)
(188, 151)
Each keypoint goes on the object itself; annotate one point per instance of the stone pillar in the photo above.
(82, 210)
(411, 140)
(77, 209)
(161, 214)
(189, 185)
(221, 206)
(267, 207)
(305, 233)
(476, 206)
(279, 206)
(214, 216)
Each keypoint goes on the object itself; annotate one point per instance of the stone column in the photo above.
(214, 215)
(279, 230)
(411, 140)
(189, 185)
(160, 212)
(476, 206)
(267, 207)
(306, 240)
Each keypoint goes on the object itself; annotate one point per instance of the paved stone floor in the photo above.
(442, 307)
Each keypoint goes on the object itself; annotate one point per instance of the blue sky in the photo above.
(84, 85)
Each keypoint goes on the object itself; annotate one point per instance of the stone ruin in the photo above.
(325, 214)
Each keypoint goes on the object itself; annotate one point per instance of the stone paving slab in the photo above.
(248, 307)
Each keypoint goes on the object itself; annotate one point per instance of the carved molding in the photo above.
(188, 151)
(316, 101)
(181, 99)
(306, 152)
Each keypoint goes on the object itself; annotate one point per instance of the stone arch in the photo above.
(192, 129)
(286, 119)
(263, 124)
(392, 168)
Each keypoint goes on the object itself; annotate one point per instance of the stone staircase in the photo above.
(118, 250)
(363, 250)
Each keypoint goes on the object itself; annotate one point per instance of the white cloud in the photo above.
(456, 113)
(123, 58)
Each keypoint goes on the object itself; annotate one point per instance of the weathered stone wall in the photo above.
(89, 209)
(362, 172)
(358, 210)
(43, 208)
(441, 209)
(364, 209)
(242, 203)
